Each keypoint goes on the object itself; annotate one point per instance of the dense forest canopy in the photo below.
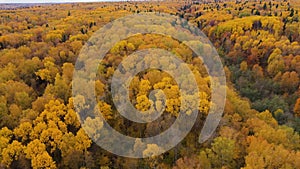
(258, 43)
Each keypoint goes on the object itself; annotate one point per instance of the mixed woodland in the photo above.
(257, 41)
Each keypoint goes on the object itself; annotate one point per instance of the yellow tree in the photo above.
(5, 137)
(275, 62)
(12, 152)
(143, 103)
(43, 160)
(36, 151)
(262, 154)
(49, 72)
(297, 107)
(105, 110)
(34, 148)
(23, 131)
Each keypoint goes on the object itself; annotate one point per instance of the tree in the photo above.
(51, 137)
(5, 137)
(265, 6)
(82, 141)
(8, 73)
(54, 36)
(144, 87)
(222, 153)
(67, 72)
(49, 72)
(261, 155)
(28, 68)
(297, 107)
(292, 12)
(76, 46)
(23, 100)
(105, 110)
(3, 110)
(34, 148)
(243, 66)
(23, 131)
(258, 71)
(60, 89)
(12, 152)
(275, 62)
(295, 63)
(289, 81)
(189, 162)
(143, 103)
(43, 160)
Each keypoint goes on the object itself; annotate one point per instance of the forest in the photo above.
(258, 42)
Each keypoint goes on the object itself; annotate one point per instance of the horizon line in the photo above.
(62, 1)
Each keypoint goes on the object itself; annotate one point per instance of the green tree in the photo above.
(222, 153)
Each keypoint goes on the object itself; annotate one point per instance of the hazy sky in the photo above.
(48, 1)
